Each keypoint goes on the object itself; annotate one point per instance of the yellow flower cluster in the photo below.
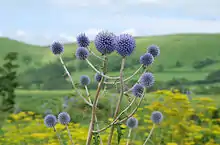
(185, 123)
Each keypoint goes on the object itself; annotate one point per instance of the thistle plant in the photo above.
(106, 43)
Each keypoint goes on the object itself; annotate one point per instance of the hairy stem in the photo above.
(116, 119)
(70, 137)
(91, 126)
(71, 80)
(58, 136)
(149, 134)
(96, 120)
(129, 136)
(103, 75)
(128, 78)
(120, 99)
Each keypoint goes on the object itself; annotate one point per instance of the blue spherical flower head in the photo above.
(64, 118)
(57, 48)
(137, 90)
(147, 59)
(126, 44)
(156, 117)
(82, 53)
(82, 40)
(50, 120)
(154, 50)
(84, 80)
(98, 77)
(132, 122)
(147, 79)
(105, 42)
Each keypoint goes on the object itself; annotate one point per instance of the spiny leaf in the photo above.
(96, 138)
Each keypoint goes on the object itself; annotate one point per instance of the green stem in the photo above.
(93, 53)
(129, 136)
(70, 137)
(127, 79)
(103, 75)
(149, 134)
(96, 120)
(120, 99)
(58, 136)
(71, 80)
(91, 126)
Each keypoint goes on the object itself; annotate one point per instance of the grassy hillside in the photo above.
(29, 55)
(183, 48)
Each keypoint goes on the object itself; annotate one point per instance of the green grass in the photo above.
(185, 48)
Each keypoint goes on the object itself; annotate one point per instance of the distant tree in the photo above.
(178, 64)
(8, 84)
(27, 59)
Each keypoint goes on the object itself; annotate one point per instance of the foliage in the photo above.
(8, 83)
(203, 63)
(186, 122)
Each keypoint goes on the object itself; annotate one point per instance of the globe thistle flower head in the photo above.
(50, 120)
(105, 42)
(147, 59)
(82, 40)
(82, 53)
(147, 80)
(137, 90)
(64, 118)
(98, 77)
(132, 122)
(154, 50)
(84, 80)
(156, 117)
(126, 44)
(57, 48)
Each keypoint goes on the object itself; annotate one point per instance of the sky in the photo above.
(41, 22)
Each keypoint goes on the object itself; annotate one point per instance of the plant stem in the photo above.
(93, 53)
(120, 99)
(91, 126)
(96, 120)
(149, 134)
(69, 134)
(71, 80)
(129, 136)
(127, 79)
(103, 75)
(58, 136)
(116, 119)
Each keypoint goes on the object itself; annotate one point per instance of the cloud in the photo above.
(131, 31)
(81, 3)
(20, 33)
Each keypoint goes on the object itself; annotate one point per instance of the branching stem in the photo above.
(71, 80)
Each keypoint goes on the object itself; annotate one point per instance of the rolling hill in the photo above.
(183, 48)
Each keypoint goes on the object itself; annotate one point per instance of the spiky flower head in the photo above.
(82, 40)
(50, 120)
(132, 122)
(84, 80)
(137, 90)
(64, 118)
(57, 48)
(154, 50)
(105, 42)
(82, 53)
(156, 117)
(126, 44)
(147, 59)
(98, 77)
(147, 79)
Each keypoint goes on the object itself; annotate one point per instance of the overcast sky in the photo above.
(42, 21)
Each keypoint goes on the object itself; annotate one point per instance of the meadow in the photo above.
(44, 88)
